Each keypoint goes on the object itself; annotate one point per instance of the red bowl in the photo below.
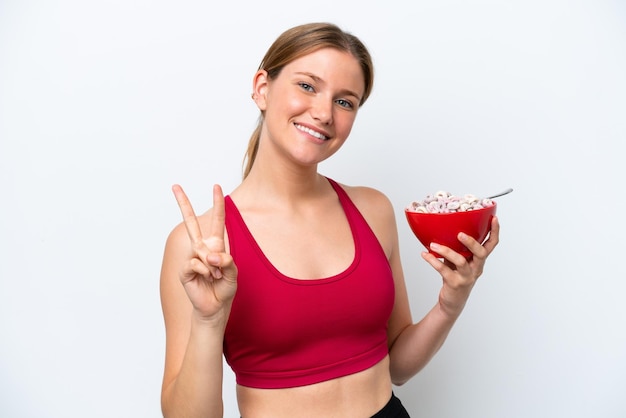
(443, 228)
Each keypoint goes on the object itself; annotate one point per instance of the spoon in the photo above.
(507, 191)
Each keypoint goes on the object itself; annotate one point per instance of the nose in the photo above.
(322, 110)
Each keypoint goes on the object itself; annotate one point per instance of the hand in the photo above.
(209, 275)
(458, 273)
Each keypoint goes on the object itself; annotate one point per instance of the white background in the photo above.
(104, 105)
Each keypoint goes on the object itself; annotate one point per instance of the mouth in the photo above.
(311, 132)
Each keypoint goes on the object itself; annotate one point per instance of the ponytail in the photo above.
(253, 147)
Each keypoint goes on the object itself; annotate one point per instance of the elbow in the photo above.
(166, 411)
(166, 405)
(399, 383)
(184, 409)
(402, 373)
(164, 408)
(399, 380)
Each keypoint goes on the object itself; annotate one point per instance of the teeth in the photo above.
(311, 132)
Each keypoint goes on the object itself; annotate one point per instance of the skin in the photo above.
(282, 199)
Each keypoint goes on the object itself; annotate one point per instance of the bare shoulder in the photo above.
(178, 243)
(178, 235)
(370, 201)
(174, 301)
(378, 212)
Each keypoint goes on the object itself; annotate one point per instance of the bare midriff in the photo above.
(357, 395)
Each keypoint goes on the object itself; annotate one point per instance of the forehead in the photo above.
(331, 66)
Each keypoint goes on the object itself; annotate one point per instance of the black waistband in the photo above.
(393, 409)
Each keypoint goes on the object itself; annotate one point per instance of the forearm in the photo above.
(418, 343)
(197, 389)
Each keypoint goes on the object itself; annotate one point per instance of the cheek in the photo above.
(295, 104)
(287, 108)
(344, 124)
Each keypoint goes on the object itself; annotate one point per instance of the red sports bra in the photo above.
(285, 332)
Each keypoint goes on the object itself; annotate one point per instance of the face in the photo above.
(311, 106)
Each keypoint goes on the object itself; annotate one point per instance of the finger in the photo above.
(189, 216)
(494, 235)
(197, 267)
(448, 254)
(436, 263)
(193, 270)
(218, 217)
(225, 264)
(214, 261)
(471, 244)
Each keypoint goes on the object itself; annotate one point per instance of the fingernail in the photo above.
(434, 246)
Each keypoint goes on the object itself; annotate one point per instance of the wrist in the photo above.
(452, 300)
(216, 320)
(450, 312)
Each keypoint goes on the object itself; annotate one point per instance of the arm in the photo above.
(198, 282)
(412, 346)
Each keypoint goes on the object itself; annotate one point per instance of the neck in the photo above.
(277, 183)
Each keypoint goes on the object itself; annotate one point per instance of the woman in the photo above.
(294, 278)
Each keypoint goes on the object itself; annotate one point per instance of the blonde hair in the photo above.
(297, 42)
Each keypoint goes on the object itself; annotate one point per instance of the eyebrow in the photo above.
(320, 80)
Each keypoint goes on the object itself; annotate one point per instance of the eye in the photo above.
(306, 86)
(345, 103)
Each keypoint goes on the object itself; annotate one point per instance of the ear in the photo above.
(260, 84)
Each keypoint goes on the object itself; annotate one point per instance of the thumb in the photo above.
(224, 262)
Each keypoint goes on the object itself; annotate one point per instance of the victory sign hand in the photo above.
(209, 275)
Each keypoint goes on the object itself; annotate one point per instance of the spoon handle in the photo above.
(507, 191)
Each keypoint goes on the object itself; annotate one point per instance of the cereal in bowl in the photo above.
(446, 202)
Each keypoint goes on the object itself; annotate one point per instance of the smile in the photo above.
(311, 132)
